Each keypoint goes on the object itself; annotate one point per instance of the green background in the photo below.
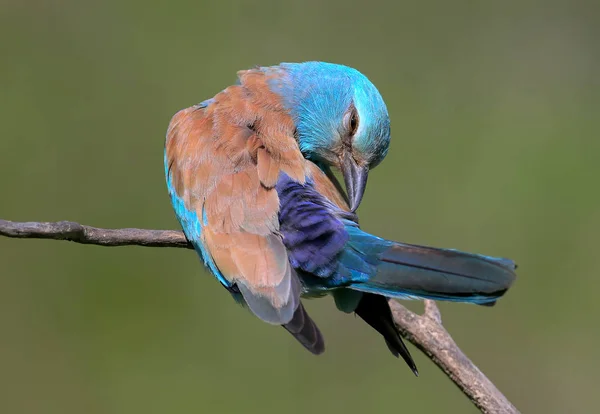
(495, 124)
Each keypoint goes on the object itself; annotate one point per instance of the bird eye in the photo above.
(353, 123)
(351, 120)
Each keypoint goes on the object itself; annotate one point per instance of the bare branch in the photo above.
(78, 233)
(432, 311)
(425, 332)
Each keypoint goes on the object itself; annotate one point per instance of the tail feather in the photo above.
(409, 271)
(304, 329)
(375, 311)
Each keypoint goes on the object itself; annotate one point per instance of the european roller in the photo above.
(250, 176)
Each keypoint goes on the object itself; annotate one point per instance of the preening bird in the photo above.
(249, 173)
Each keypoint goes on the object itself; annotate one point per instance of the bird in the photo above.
(251, 175)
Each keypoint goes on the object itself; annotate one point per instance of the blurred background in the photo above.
(495, 124)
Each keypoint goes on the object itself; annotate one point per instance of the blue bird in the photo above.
(250, 176)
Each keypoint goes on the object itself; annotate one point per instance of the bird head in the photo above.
(340, 117)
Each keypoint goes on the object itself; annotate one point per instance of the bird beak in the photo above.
(355, 178)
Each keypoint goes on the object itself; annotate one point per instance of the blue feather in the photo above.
(409, 271)
(318, 116)
(333, 253)
(192, 227)
(312, 233)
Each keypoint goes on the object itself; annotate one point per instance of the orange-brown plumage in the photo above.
(224, 162)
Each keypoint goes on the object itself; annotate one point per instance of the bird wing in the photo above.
(223, 159)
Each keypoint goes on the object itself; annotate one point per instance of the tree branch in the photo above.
(427, 333)
(78, 233)
(424, 331)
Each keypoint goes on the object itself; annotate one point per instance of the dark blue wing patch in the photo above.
(311, 230)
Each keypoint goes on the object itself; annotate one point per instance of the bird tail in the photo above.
(304, 329)
(375, 311)
(407, 271)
